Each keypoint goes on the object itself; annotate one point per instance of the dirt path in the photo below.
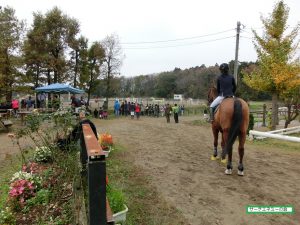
(176, 157)
(9, 147)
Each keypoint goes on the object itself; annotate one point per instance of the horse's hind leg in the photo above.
(223, 147)
(228, 170)
(242, 140)
(223, 144)
(215, 150)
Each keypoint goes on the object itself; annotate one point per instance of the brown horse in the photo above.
(231, 119)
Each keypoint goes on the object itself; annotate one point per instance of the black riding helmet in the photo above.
(224, 68)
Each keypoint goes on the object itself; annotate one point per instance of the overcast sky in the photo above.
(207, 27)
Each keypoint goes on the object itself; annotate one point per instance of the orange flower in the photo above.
(106, 139)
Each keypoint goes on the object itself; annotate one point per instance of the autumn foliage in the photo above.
(278, 71)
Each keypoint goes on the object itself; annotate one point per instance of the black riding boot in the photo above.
(211, 114)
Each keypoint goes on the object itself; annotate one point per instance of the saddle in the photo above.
(215, 109)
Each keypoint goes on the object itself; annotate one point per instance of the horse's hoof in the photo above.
(240, 173)
(213, 158)
(224, 161)
(228, 171)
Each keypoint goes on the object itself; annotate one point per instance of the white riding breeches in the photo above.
(217, 101)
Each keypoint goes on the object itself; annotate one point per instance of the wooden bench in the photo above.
(5, 122)
(4, 113)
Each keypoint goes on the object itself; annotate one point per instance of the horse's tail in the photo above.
(236, 122)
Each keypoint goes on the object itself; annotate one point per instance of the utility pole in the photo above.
(238, 29)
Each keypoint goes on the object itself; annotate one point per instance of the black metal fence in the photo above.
(94, 173)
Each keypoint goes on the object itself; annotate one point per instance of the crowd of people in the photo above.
(135, 110)
(124, 108)
(15, 105)
(29, 103)
(139, 109)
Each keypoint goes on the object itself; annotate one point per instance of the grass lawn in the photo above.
(269, 142)
(258, 106)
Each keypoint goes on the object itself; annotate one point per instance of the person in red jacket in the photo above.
(15, 105)
(137, 110)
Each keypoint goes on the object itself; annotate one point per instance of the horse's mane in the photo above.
(212, 94)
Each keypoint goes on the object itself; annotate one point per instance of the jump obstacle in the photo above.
(276, 134)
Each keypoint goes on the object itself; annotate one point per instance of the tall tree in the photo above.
(53, 33)
(243, 90)
(112, 62)
(166, 85)
(278, 70)
(61, 30)
(35, 52)
(11, 34)
(96, 55)
(78, 55)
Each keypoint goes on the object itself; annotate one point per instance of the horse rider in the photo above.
(226, 87)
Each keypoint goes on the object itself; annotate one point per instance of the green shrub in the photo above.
(34, 121)
(42, 197)
(251, 123)
(116, 198)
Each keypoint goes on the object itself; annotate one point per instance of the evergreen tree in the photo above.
(11, 34)
(47, 42)
(96, 56)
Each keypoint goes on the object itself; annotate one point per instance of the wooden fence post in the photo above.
(264, 115)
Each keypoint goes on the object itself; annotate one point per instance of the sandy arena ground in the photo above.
(177, 158)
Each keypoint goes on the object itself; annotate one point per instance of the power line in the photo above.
(253, 28)
(178, 39)
(247, 37)
(244, 31)
(173, 46)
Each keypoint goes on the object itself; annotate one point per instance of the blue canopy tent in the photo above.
(59, 88)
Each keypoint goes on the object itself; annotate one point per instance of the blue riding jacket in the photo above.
(226, 85)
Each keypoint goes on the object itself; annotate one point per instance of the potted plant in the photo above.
(106, 143)
(117, 203)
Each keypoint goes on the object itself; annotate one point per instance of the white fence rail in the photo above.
(276, 134)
